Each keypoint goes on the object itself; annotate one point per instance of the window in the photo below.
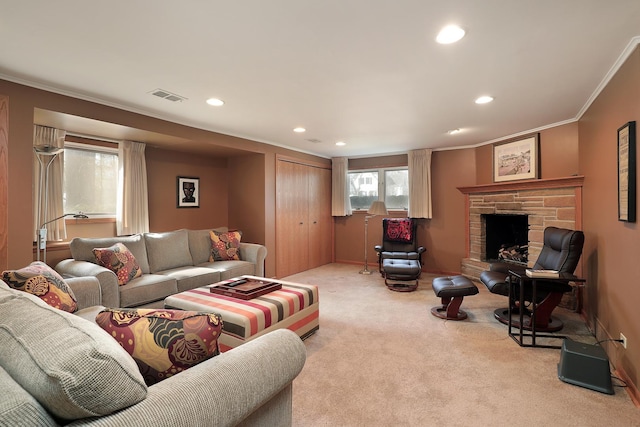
(90, 179)
(396, 189)
(365, 187)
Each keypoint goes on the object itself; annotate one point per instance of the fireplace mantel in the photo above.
(533, 184)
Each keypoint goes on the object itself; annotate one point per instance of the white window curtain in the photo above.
(133, 202)
(47, 187)
(419, 183)
(340, 203)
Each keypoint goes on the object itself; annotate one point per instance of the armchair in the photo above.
(561, 251)
(399, 256)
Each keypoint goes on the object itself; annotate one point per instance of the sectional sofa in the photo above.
(171, 262)
(58, 368)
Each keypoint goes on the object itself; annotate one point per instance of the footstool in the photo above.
(295, 307)
(401, 270)
(452, 290)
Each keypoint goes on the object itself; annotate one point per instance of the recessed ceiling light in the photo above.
(450, 34)
(215, 102)
(341, 143)
(454, 131)
(299, 130)
(484, 99)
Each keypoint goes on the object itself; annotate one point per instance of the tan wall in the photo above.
(611, 246)
(447, 230)
(558, 154)
(163, 167)
(251, 206)
(4, 177)
(443, 236)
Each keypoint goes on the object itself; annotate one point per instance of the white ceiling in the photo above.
(366, 72)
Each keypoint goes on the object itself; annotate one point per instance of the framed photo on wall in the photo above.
(516, 159)
(627, 172)
(188, 192)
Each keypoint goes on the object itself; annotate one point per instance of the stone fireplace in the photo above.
(544, 203)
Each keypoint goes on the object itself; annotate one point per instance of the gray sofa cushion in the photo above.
(230, 269)
(70, 365)
(192, 277)
(82, 248)
(19, 408)
(146, 289)
(168, 250)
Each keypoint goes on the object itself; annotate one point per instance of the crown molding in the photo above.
(612, 72)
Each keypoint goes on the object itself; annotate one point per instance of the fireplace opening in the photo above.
(506, 238)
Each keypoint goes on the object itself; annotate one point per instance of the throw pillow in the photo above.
(399, 230)
(225, 246)
(70, 365)
(119, 259)
(163, 342)
(44, 282)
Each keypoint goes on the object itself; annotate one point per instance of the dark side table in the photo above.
(521, 279)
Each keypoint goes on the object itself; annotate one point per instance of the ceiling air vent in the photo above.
(314, 141)
(161, 93)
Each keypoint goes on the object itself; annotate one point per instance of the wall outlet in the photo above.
(624, 340)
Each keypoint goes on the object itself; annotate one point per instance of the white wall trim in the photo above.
(612, 72)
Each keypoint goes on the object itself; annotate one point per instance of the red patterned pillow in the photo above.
(163, 342)
(398, 229)
(119, 259)
(225, 246)
(44, 282)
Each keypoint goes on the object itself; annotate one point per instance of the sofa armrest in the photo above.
(255, 254)
(221, 391)
(86, 290)
(107, 278)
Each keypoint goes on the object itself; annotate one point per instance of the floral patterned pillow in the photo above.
(119, 259)
(398, 229)
(44, 282)
(225, 246)
(163, 342)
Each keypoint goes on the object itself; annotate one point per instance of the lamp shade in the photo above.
(377, 208)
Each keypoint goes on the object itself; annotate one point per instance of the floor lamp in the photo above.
(45, 154)
(42, 233)
(377, 208)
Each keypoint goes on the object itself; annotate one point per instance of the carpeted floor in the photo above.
(381, 358)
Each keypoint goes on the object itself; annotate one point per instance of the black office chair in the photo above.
(561, 251)
(399, 256)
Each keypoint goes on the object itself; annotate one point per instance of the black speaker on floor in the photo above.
(585, 365)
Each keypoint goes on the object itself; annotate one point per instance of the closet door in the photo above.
(320, 219)
(292, 217)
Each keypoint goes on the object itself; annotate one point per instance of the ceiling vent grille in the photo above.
(314, 141)
(161, 93)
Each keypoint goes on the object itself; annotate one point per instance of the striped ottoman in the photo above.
(295, 307)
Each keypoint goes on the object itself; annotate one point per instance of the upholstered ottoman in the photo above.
(452, 291)
(295, 307)
(401, 270)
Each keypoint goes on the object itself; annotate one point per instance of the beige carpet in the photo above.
(381, 359)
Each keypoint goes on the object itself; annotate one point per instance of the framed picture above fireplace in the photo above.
(516, 159)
